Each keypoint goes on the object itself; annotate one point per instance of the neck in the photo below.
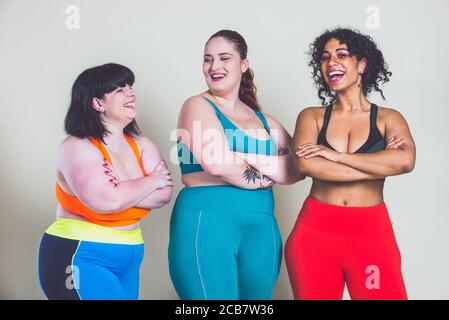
(115, 138)
(229, 100)
(352, 99)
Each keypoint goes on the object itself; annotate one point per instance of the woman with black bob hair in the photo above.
(343, 233)
(109, 176)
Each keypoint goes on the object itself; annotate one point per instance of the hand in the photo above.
(310, 150)
(265, 182)
(109, 172)
(394, 143)
(161, 176)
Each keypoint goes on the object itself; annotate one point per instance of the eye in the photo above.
(119, 90)
(342, 55)
(324, 58)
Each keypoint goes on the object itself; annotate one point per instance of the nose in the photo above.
(215, 64)
(332, 61)
(130, 91)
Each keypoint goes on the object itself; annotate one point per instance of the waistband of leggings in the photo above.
(346, 220)
(225, 198)
(86, 231)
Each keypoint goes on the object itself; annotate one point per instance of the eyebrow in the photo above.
(220, 54)
(339, 49)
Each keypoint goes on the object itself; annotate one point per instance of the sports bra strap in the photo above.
(101, 147)
(373, 115)
(264, 121)
(327, 116)
(217, 111)
(135, 148)
(131, 143)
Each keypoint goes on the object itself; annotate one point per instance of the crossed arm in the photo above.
(201, 131)
(323, 163)
(281, 167)
(82, 167)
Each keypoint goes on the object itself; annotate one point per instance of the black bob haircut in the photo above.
(82, 120)
(362, 46)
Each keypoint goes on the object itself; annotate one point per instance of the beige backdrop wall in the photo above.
(162, 42)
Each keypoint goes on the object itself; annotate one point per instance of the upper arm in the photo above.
(82, 167)
(150, 158)
(279, 134)
(306, 129)
(150, 154)
(202, 132)
(396, 125)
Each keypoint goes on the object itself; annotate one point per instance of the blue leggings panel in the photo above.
(224, 244)
(75, 269)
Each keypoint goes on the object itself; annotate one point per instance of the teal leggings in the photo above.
(224, 243)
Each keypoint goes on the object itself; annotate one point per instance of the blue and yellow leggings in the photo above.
(81, 260)
(224, 243)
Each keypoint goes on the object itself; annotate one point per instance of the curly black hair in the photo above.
(362, 46)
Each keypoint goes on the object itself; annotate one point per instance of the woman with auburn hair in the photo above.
(224, 238)
(343, 233)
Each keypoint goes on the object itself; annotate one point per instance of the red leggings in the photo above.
(333, 245)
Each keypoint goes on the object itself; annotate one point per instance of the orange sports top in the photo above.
(117, 219)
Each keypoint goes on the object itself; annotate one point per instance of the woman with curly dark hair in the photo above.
(343, 233)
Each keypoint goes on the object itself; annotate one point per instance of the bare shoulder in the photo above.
(72, 144)
(145, 143)
(272, 121)
(74, 150)
(311, 113)
(195, 105)
(388, 114)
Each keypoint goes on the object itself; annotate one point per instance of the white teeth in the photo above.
(215, 76)
(336, 73)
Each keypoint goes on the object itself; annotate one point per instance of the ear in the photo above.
(244, 65)
(361, 65)
(97, 104)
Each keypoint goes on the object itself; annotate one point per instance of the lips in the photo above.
(216, 77)
(335, 75)
(130, 105)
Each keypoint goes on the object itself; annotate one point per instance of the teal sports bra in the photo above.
(238, 140)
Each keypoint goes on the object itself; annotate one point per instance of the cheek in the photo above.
(206, 67)
(323, 70)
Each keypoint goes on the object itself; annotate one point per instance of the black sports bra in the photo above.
(375, 141)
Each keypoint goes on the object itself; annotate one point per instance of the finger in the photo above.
(308, 151)
(395, 143)
(160, 165)
(305, 149)
(391, 139)
(305, 145)
(311, 155)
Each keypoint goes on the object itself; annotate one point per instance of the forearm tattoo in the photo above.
(251, 175)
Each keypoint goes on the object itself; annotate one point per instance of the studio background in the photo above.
(42, 52)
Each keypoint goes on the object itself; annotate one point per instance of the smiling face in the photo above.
(222, 66)
(339, 68)
(117, 106)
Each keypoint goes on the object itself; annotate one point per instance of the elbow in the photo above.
(106, 207)
(213, 170)
(164, 196)
(408, 166)
(303, 168)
